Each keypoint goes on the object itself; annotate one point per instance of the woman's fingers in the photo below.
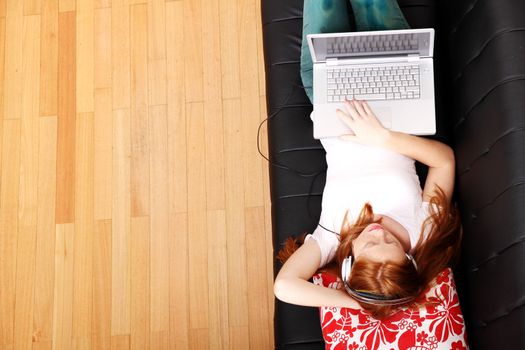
(366, 107)
(359, 107)
(351, 109)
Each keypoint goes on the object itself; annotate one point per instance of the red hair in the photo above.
(394, 279)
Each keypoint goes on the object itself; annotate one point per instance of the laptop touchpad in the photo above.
(384, 115)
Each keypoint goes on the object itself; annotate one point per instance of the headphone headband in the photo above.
(367, 297)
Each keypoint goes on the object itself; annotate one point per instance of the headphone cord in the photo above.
(277, 164)
(285, 167)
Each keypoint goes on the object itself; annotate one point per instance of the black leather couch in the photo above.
(480, 106)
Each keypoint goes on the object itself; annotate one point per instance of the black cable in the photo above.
(277, 164)
(285, 167)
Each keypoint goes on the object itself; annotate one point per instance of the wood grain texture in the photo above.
(101, 326)
(140, 276)
(85, 25)
(120, 54)
(134, 208)
(213, 106)
(103, 148)
(45, 233)
(140, 196)
(14, 23)
(49, 59)
(28, 190)
(159, 240)
(63, 292)
(193, 78)
(9, 189)
(84, 220)
(65, 205)
(120, 242)
(2, 70)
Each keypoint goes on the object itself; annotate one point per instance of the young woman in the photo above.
(383, 235)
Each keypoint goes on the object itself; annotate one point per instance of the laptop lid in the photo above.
(371, 44)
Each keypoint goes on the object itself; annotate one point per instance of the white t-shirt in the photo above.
(358, 174)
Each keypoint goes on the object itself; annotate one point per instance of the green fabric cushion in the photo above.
(378, 15)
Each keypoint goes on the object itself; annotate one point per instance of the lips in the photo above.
(375, 227)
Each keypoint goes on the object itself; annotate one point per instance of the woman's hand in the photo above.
(363, 122)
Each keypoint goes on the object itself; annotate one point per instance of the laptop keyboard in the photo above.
(373, 83)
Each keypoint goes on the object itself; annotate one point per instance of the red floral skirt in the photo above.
(436, 324)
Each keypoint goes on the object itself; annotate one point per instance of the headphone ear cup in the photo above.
(346, 267)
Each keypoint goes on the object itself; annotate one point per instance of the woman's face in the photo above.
(378, 244)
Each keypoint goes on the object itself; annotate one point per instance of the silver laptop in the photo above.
(392, 70)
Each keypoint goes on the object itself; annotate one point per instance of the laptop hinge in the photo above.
(331, 61)
(413, 57)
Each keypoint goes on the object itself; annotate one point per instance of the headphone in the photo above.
(368, 297)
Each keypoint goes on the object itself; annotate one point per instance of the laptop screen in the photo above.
(372, 44)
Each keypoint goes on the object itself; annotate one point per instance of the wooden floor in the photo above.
(134, 209)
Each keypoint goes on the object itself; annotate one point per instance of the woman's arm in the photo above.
(292, 286)
(438, 156)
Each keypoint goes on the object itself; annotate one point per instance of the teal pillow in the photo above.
(320, 16)
(378, 15)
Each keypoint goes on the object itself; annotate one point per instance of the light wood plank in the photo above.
(159, 185)
(45, 234)
(196, 154)
(101, 339)
(63, 291)
(32, 7)
(120, 342)
(120, 53)
(176, 107)
(49, 59)
(65, 205)
(193, 78)
(102, 47)
(199, 339)
(102, 4)
(67, 5)
(120, 248)
(213, 106)
(178, 281)
(218, 280)
(28, 190)
(2, 71)
(156, 29)
(157, 52)
(198, 262)
(103, 169)
(140, 285)
(85, 62)
(43, 345)
(3, 9)
(84, 220)
(25, 286)
(239, 338)
(234, 185)
(260, 50)
(250, 103)
(159, 340)
(13, 60)
(157, 82)
(258, 316)
(140, 168)
(9, 185)
(229, 35)
(27, 210)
